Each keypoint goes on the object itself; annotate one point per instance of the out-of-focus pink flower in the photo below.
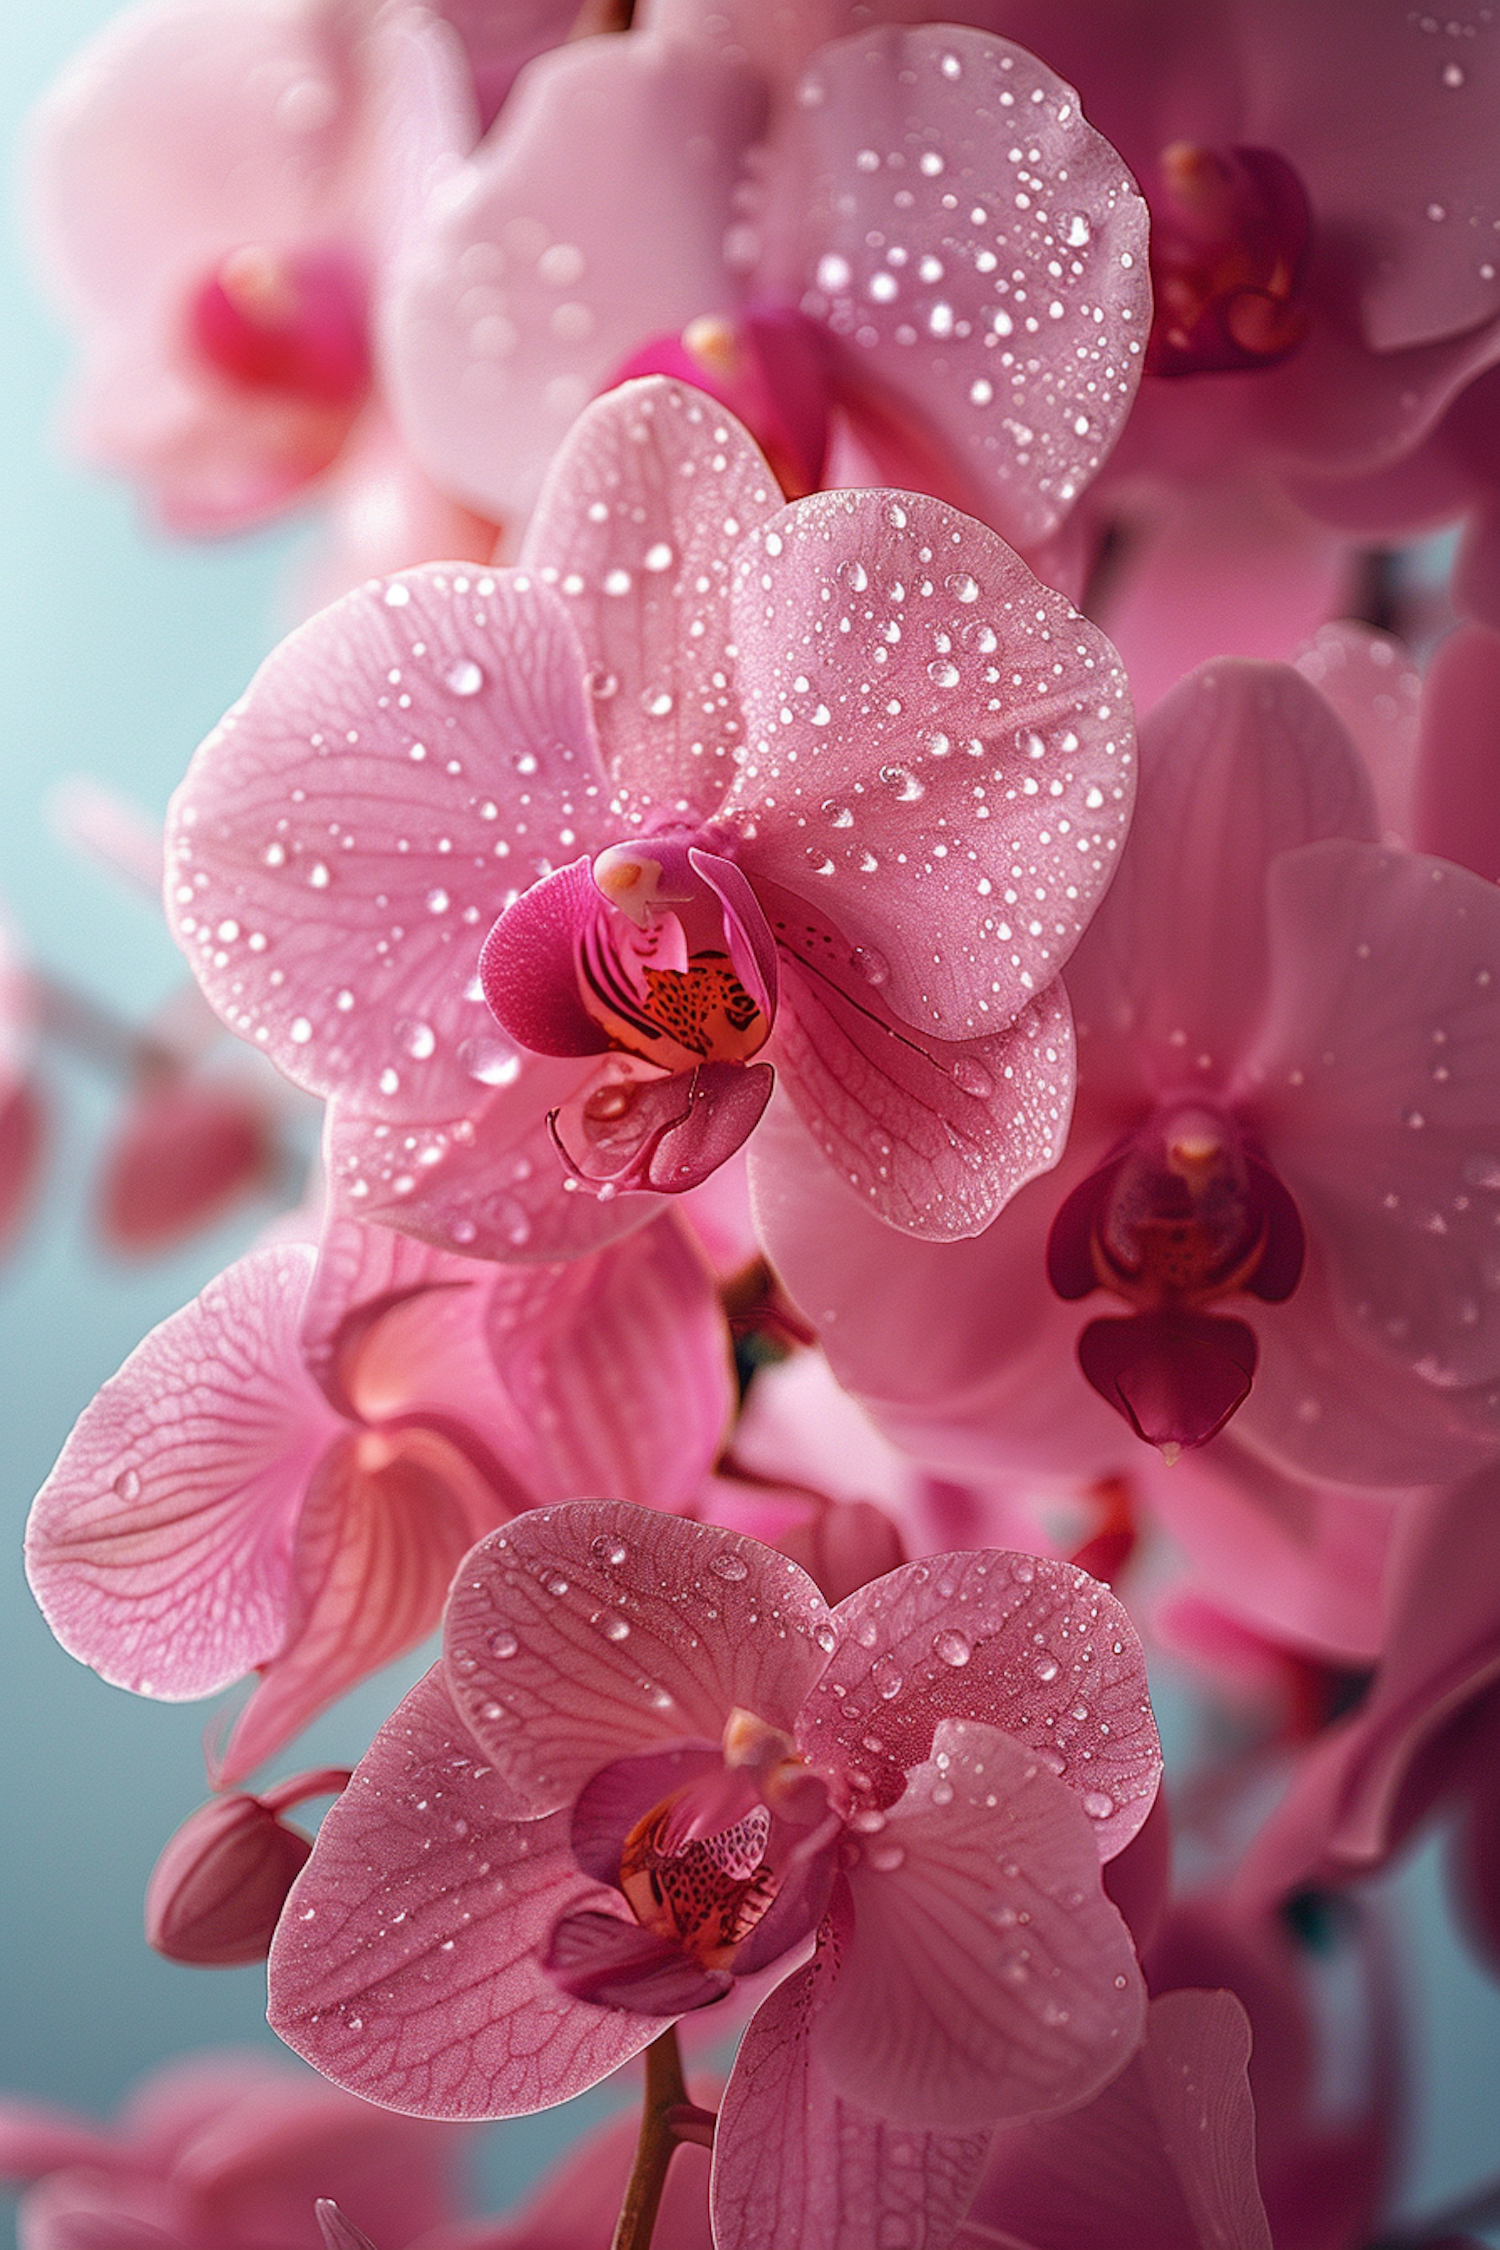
(217, 1890)
(920, 246)
(1426, 1733)
(285, 1475)
(1289, 1043)
(652, 1762)
(225, 2152)
(185, 1150)
(846, 782)
(22, 1128)
(215, 192)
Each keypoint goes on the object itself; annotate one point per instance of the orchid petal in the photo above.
(551, 1689)
(407, 1965)
(333, 895)
(934, 1135)
(159, 1547)
(635, 1129)
(1377, 691)
(361, 1273)
(487, 384)
(987, 1976)
(872, 753)
(937, 103)
(651, 492)
(376, 1548)
(797, 2165)
(1455, 814)
(1381, 1069)
(1167, 2151)
(1239, 763)
(529, 964)
(1017, 1642)
(180, 1157)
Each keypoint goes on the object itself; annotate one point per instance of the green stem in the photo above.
(668, 2117)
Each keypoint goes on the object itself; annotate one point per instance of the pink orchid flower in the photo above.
(1289, 1067)
(653, 1762)
(285, 1475)
(225, 2152)
(825, 791)
(215, 192)
(920, 251)
(22, 1123)
(1426, 1734)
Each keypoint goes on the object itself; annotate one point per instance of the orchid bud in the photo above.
(217, 1891)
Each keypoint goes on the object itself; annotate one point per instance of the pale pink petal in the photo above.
(407, 1966)
(183, 1154)
(360, 1274)
(1377, 691)
(718, 1211)
(378, 1539)
(616, 1370)
(1381, 1079)
(332, 894)
(488, 1183)
(551, 1688)
(1476, 569)
(381, 513)
(651, 492)
(81, 2211)
(499, 40)
(1396, 154)
(159, 1547)
(797, 2165)
(1165, 2154)
(1017, 1642)
(1304, 1561)
(949, 779)
(525, 293)
(933, 1135)
(41, 2137)
(1242, 761)
(1231, 569)
(987, 1976)
(924, 338)
(1457, 805)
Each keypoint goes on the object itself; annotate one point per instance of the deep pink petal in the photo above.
(525, 293)
(80, 2211)
(1455, 813)
(488, 1183)
(1176, 1376)
(183, 1154)
(22, 1141)
(1476, 568)
(553, 1691)
(987, 1975)
(375, 1552)
(408, 1963)
(1381, 1068)
(1376, 689)
(609, 1959)
(962, 687)
(636, 1131)
(1242, 761)
(529, 964)
(41, 2137)
(651, 492)
(796, 2164)
(939, 335)
(160, 1546)
(1017, 1642)
(934, 1135)
(332, 895)
(1166, 2153)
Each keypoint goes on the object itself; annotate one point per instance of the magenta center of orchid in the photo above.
(769, 367)
(1229, 242)
(285, 323)
(1185, 1214)
(656, 969)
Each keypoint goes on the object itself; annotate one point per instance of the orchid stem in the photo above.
(668, 2117)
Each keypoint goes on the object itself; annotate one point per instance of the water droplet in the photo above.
(300, 1031)
(614, 1628)
(437, 902)
(903, 782)
(942, 1792)
(1453, 74)
(1046, 1668)
(319, 876)
(503, 1643)
(397, 597)
(943, 672)
(837, 815)
(827, 1639)
(419, 1040)
(659, 557)
(886, 1858)
(128, 1485)
(963, 588)
(888, 1679)
(490, 1060)
(463, 676)
(554, 1583)
(973, 1078)
(952, 1648)
(1098, 1804)
(730, 1566)
(617, 582)
(1079, 232)
(872, 966)
(610, 1551)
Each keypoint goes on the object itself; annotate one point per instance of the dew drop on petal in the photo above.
(503, 1643)
(128, 1485)
(952, 1648)
(731, 1567)
(1098, 1804)
(463, 676)
(614, 1552)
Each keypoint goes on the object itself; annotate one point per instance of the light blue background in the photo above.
(121, 652)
